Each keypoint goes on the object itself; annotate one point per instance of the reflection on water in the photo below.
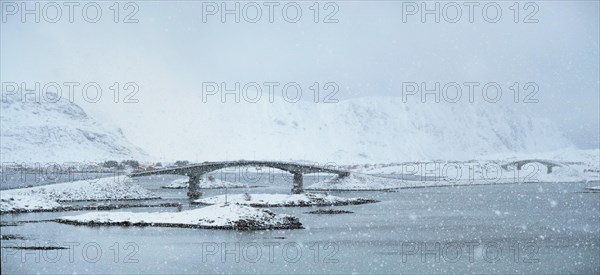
(499, 228)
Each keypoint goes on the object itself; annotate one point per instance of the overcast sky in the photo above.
(370, 51)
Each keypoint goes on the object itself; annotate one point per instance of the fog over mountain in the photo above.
(368, 129)
(360, 130)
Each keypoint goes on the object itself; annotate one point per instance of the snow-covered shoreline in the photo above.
(51, 197)
(220, 216)
(283, 200)
(582, 160)
(392, 177)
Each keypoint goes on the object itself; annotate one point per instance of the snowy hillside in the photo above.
(58, 132)
(360, 130)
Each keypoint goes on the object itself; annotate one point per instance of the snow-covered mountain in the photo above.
(371, 129)
(61, 131)
(360, 130)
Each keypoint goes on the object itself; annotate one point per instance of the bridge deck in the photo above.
(195, 171)
(202, 168)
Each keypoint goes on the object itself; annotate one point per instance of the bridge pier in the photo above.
(298, 185)
(194, 187)
(195, 171)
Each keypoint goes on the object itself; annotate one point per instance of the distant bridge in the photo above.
(196, 171)
(519, 164)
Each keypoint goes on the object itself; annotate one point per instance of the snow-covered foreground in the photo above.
(231, 216)
(204, 184)
(19, 203)
(279, 200)
(48, 197)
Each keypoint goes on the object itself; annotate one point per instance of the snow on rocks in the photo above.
(220, 216)
(283, 200)
(23, 203)
(210, 183)
(48, 197)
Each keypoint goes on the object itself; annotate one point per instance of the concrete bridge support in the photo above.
(298, 187)
(194, 187)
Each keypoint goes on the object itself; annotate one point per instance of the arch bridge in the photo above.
(520, 163)
(195, 172)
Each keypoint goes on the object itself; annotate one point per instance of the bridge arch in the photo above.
(195, 172)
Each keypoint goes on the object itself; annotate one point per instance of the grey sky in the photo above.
(369, 52)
